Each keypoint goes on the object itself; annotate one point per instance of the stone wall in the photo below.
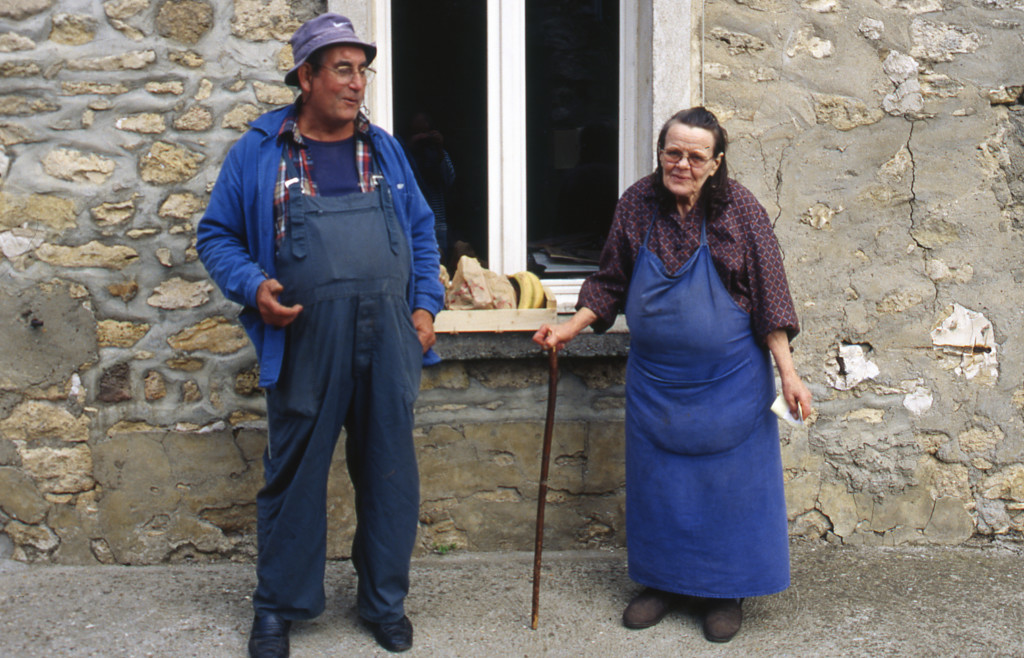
(130, 425)
(885, 138)
(882, 136)
(479, 448)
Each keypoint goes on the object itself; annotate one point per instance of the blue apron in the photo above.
(352, 359)
(705, 507)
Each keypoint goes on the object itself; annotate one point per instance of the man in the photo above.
(316, 226)
(435, 173)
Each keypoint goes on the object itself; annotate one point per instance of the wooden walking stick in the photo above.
(549, 425)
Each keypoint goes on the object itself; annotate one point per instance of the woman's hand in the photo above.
(796, 394)
(555, 337)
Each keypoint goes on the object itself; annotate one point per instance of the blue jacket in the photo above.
(235, 238)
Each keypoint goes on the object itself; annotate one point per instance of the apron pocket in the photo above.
(696, 417)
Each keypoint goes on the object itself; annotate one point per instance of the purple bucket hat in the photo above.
(324, 30)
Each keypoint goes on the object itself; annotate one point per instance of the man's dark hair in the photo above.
(316, 58)
(715, 194)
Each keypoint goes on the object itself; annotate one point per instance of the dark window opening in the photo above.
(440, 103)
(571, 123)
(572, 99)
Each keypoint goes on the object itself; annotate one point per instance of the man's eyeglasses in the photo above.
(346, 72)
(675, 156)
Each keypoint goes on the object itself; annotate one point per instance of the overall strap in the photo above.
(386, 201)
(296, 206)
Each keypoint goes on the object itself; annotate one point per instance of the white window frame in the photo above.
(639, 30)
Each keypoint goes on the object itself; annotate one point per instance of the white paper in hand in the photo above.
(781, 410)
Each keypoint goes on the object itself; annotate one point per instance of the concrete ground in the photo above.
(844, 601)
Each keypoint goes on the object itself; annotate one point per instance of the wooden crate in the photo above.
(497, 321)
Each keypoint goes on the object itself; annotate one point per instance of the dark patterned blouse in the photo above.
(743, 248)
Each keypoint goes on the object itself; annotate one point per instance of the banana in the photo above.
(518, 288)
(525, 293)
(538, 291)
(531, 292)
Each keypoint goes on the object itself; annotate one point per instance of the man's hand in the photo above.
(272, 312)
(424, 323)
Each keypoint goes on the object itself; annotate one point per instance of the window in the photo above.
(526, 99)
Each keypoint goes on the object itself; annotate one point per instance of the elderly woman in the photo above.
(694, 262)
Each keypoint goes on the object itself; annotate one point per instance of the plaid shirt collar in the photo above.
(291, 137)
(295, 149)
(289, 131)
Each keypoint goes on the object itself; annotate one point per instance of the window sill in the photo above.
(519, 344)
(493, 321)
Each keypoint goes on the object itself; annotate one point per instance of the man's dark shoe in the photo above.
(395, 636)
(647, 608)
(723, 619)
(269, 636)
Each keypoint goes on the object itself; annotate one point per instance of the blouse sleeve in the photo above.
(771, 303)
(604, 291)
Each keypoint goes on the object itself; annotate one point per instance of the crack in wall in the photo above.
(778, 178)
(778, 184)
(580, 495)
(931, 515)
(912, 202)
(912, 205)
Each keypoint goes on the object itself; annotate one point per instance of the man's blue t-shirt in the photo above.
(334, 166)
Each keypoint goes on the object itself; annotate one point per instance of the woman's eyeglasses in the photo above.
(674, 156)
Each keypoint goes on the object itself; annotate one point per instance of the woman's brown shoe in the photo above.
(723, 619)
(647, 608)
